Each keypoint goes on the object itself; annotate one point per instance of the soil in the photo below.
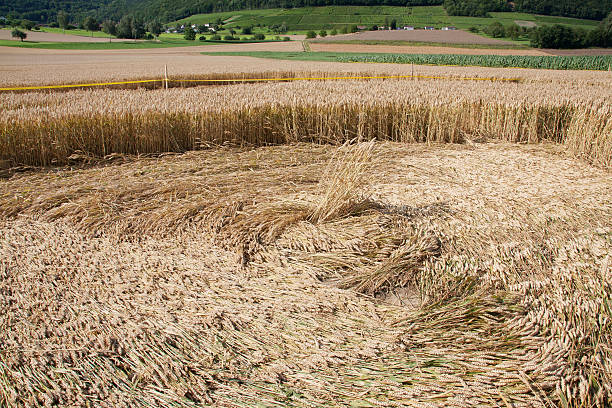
(437, 36)
(402, 49)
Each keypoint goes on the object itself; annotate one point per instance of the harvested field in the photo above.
(22, 66)
(375, 275)
(434, 36)
(404, 49)
(57, 37)
(580, 52)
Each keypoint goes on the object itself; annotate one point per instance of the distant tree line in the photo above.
(185, 8)
(128, 26)
(555, 36)
(45, 11)
(560, 36)
(475, 8)
(590, 9)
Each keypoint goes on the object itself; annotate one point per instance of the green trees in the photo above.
(62, 20)
(556, 36)
(27, 24)
(474, 8)
(560, 36)
(602, 35)
(109, 27)
(592, 9)
(155, 28)
(311, 34)
(495, 30)
(130, 27)
(514, 31)
(17, 33)
(190, 33)
(247, 30)
(90, 24)
(323, 33)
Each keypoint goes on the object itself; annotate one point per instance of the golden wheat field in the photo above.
(23, 66)
(425, 242)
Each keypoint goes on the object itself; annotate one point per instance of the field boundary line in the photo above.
(25, 88)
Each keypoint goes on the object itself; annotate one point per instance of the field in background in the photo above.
(492, 59)
(408, 47)
(402, 47)
(22, 67)
(58, 36)
(73, 41)
(420, 36)
(317, 18)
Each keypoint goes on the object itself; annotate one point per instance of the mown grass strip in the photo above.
(121, 45)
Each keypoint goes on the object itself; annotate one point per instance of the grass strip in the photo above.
(118, 45)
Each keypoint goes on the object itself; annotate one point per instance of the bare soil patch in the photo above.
(401, 49)
(437, 36)
(523, 23)
(579, 52)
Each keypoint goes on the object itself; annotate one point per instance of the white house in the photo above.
(409, 28)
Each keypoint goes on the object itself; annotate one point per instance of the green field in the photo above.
(317, 18)
(502, 61)
(82, 33)
(165, 41)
